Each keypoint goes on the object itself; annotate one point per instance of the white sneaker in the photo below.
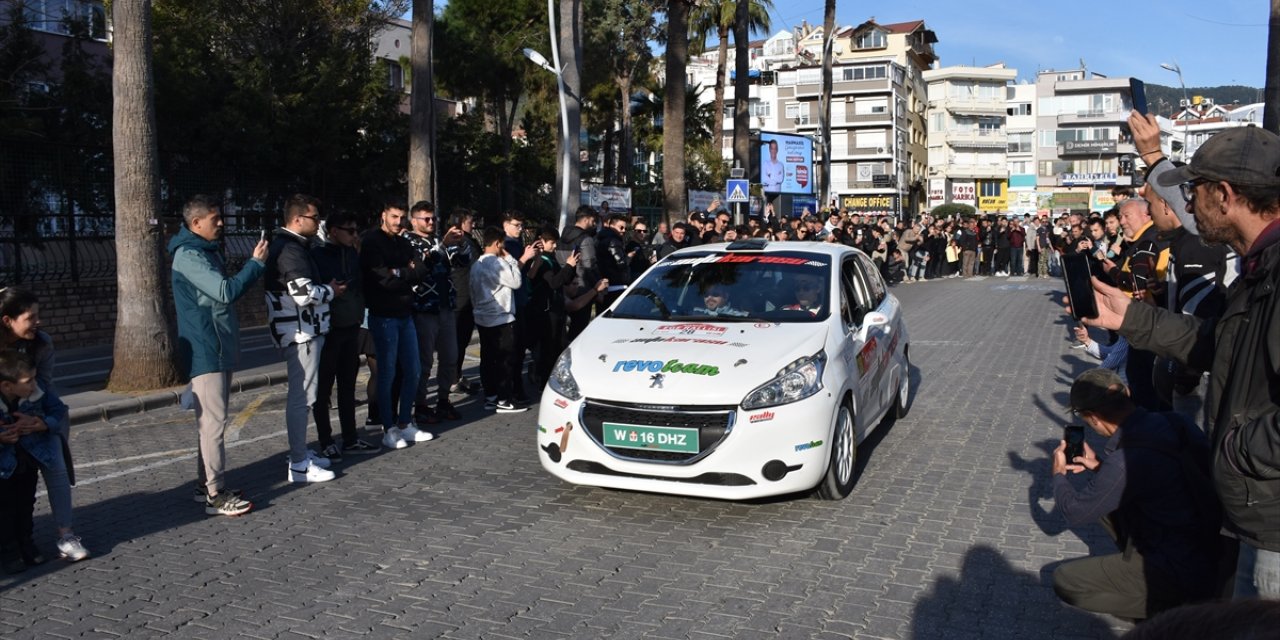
(70, 547)
(318, 460)
(313, 473)
(393, 440)
(412, 433)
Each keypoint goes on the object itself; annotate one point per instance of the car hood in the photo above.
(677, 362)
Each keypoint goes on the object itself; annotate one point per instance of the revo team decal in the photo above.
(670, 366)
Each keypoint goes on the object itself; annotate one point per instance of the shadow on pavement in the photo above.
(999, 601)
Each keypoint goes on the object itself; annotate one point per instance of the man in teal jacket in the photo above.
(209, 337)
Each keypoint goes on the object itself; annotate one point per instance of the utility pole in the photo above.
(741, 101)
(1271, 108)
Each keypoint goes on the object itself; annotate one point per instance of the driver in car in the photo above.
(808, 292)
(715, 302)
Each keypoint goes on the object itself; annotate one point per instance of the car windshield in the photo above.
(732, 287)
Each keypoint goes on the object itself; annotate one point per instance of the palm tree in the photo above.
(143, 342)
(718, 16)
(676, 61)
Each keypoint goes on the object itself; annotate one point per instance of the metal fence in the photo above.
(57, 209)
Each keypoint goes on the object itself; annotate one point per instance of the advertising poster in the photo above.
(619, 198)
(786, 163)
(964, 193)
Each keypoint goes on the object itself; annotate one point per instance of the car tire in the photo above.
(903, 402)
(837, 482)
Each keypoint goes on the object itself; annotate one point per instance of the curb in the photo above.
(160, 399)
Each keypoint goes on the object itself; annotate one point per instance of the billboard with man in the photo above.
(786, 163)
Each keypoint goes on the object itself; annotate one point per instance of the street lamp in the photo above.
(538, 59)
(1186, 104)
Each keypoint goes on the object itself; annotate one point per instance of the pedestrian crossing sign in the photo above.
(737, 191)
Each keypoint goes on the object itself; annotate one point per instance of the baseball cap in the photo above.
(1095, 388)
(1244, 156)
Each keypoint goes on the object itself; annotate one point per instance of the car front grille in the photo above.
(713, 423)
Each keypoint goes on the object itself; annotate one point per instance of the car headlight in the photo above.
(561, 380)
(796, 381)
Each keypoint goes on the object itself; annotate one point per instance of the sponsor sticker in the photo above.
(763, 416)
(670, 366)
(805, 446)
(561, 402)
(691, 328)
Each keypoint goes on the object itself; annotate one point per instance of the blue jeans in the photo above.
(395, 341)
(1257, 573)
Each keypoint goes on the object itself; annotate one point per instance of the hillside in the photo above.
(1164, 100)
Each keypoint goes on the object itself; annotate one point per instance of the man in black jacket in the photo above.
(433, 311)
(339, 261)
(611, 251)
(1233, 184)
(580, 238)
(390, 270)
(298, 316)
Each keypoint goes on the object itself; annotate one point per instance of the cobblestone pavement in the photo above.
(948, 534)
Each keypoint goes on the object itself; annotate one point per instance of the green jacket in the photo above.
(208, 330)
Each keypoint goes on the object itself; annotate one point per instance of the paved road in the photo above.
(948, 532)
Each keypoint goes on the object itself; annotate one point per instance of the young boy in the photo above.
(34, 424)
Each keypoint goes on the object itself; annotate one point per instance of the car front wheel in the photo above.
(838, 481)
(902, 404)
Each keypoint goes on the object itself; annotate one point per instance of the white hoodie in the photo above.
(494, 282)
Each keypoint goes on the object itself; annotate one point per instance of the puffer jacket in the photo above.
(1241, 350)
(297, 302)
(46, 446)
(203, 294)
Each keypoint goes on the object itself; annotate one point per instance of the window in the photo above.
(1021, 167)
(55, 16)
(395, 75)
(872, 39)
(1047, 138)
(1020, 109)
(1020, 142)
(936, 122)
(989, 126)
(873, 72)
(798, 112)
(988, 189)
(865, 106)
(761, 109)
(874, 139)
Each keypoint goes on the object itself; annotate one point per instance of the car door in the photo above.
(860, 347)
(881, 332)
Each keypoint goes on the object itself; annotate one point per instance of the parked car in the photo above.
(731, 371)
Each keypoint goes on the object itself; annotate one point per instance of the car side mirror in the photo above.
(875, 319)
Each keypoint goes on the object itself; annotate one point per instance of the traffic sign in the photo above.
(737, 191)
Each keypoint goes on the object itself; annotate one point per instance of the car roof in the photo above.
(834, 250)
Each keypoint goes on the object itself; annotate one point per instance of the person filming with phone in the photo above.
(1149, 487)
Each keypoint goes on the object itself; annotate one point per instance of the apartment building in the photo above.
(1083, 149)
(968, 137)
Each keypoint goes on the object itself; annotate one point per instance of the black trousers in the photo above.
(339, 360)
(18, 503)
(547, 330)
(465, 323)
(497, 344)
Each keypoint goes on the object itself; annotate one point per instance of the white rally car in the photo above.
(731, 371)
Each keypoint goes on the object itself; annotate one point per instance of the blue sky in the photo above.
(1216, 43)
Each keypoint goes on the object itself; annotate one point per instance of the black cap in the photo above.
(1245, 156)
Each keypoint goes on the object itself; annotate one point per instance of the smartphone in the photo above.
(1074, 435)
(262, 235)
(1076, 274)
(1138, 91)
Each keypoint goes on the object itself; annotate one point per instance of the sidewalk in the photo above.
(81, 377)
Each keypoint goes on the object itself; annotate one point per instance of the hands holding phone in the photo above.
(1088, 460)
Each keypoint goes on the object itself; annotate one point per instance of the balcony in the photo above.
(978, 139)
(1092, 117)
(979, 171)
(972, 107)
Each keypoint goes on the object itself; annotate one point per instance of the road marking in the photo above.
(145, 456)
(161, 463)
(233, 434)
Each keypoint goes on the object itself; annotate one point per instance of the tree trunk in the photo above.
(626, 149)
(824, 113)
(608, 174)
(143, 341)
(422, 116)
(742, 89)
(722, 64)
(570, 28)
(1271, 108)
(673, 112)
